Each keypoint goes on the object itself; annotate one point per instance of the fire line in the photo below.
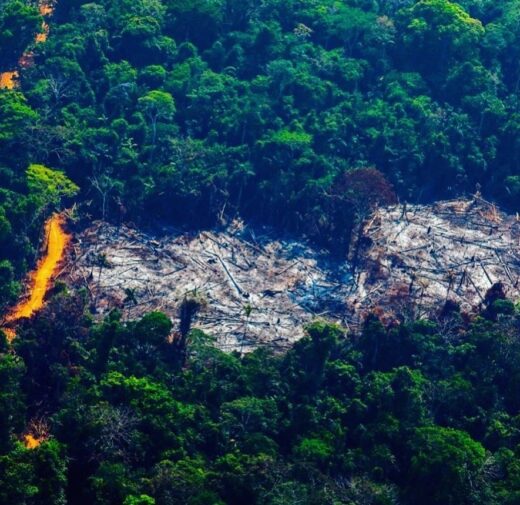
(56, 240)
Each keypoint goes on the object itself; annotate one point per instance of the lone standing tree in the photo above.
(355, 195)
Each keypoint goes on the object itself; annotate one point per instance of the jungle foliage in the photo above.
(426, 412)
(301, 114)
(196, 110)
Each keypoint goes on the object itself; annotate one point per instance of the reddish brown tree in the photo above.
(354, 196)
(364, 189)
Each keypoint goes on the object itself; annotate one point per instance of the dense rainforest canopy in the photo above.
(194, 110)
(424, 413)
(301, 114)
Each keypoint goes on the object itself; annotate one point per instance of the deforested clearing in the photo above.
(411, 259)
(254, 289)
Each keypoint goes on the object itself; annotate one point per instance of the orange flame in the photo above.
(46, 8)
(8, 79)
(31, 442)
(36, 433)
(56, 242)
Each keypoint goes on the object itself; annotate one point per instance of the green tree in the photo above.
(16, 116)
(157, 105)
(446, 467)
(11, 397)
(17, 477)
(141, 499)
(50, 467)
(19, 24)
(49, 186)
(437, 31)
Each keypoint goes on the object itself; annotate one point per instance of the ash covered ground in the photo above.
(413, 259)
(256, 290)
(260, 290)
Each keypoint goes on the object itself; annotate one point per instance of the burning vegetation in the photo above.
(37, 432)
(9, 79)
(56, 240)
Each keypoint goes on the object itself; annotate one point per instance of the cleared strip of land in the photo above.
(256, 290)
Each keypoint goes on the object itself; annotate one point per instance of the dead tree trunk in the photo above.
(187, 311)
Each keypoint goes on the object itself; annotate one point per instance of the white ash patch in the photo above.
(262, 291)
(412, 259)
(258, 290)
